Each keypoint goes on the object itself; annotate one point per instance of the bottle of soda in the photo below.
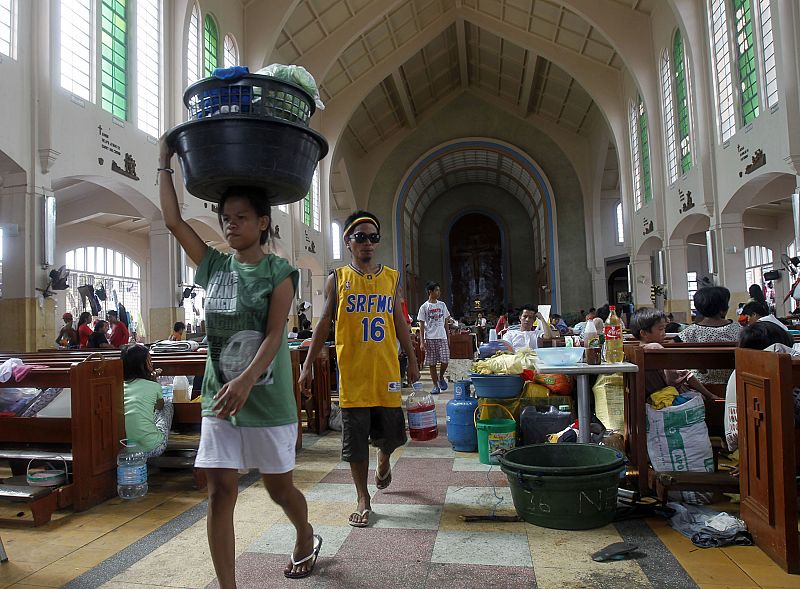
(131, 472)
(421, 415)
(612, 333)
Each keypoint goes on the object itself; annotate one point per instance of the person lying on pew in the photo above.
(147, 416)
(761, 335)
(98, 339)
(649, 326)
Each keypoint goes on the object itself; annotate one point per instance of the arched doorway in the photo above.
(476, 264)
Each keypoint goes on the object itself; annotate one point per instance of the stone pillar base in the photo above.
(27, 327)
(680, 308)
(162, 321)
(736, 298)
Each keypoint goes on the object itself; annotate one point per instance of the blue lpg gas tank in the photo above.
(460, 418)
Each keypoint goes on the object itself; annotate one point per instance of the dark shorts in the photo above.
(385, 427)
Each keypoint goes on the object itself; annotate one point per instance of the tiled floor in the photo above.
(417, 538)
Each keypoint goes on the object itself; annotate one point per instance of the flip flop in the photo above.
(361, 514)
(314, 554)
(384, 481)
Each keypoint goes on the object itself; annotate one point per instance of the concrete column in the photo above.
(165, 276)
(677, 301)
(642, 280)
(599, 287)
(28, 317)
(728, 242)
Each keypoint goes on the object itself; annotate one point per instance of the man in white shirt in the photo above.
(433, 317)
(757, 311)
(527, 336)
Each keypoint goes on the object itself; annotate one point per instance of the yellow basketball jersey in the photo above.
(366, 340)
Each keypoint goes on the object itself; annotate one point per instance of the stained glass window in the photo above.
(114, 57)
(723, 75)
(669, 117)
(746, 60)
(682, 102)
(635, 159)
(768, 58)
(644, 146)
(210, 46)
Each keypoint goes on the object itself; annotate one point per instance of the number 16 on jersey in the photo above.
(373, 330)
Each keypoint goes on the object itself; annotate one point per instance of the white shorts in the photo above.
(224, 445)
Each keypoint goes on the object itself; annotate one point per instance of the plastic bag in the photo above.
(560, 384)
(335, 420)
(296, 74)
(609, 400)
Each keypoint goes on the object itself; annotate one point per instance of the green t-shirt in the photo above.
(140, 403)
(236, 307)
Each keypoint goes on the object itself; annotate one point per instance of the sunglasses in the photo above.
(362, 237)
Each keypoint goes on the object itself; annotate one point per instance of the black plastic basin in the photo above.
(274, 156)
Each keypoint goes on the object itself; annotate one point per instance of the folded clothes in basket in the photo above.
(167, 346)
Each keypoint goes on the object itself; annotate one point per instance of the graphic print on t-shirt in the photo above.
(238, 347)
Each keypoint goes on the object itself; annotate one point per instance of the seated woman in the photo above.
(712, 304)
(649, 327)
(99, 339)
(147, 417)
(761, 335)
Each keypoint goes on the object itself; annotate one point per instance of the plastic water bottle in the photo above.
(421, 410)
(131, 472)
(180, 389)
(592, 341)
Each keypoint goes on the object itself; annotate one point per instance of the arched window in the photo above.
(640, 150)
(723, 75)
(8, 28)
(768, 53)
(76, 47)
(620, 225)
(193, 47)
(148, 66)
(742, 29)
(311, 204)
(114, 57)
(336, 240)
(116, 273)
(210, 45)
(193, 311)
(757, 260)
(230, 53)
(682, 102)
(669, 117)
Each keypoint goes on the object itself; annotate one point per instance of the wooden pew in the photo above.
(317, 400)
(90, 438)
(768, 452)
(672, 356)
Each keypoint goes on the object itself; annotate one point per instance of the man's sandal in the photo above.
(383, 481)
(360, 514)
(314, 554)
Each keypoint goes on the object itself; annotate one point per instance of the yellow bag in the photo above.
(609, 400)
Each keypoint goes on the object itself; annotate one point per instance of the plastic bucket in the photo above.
(564, 486)
(494, 434)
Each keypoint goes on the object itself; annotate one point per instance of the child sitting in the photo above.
(147, 417)
(649, 327)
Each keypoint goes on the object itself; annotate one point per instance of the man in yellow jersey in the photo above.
(361, 298)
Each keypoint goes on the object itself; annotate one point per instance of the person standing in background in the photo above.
(434, 317)
(67, 337)
(119, 333)
(84, 328)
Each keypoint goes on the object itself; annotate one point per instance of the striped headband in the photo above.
(360, 220)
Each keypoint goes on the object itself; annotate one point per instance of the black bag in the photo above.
(535, 426)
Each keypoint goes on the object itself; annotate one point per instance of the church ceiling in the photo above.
(464, 56)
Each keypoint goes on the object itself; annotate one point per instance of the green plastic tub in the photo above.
(564, 486)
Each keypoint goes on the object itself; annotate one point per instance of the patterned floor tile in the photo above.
(338, 492)
(480, 577)
(411, 492)
(280, 538)
(484, 548)
(471, 464)
(389, 544)
(266, 570)
(428, 452)
(484, 497)
(410, 517)
(452, 520)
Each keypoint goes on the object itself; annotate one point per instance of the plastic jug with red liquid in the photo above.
(421, 415)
